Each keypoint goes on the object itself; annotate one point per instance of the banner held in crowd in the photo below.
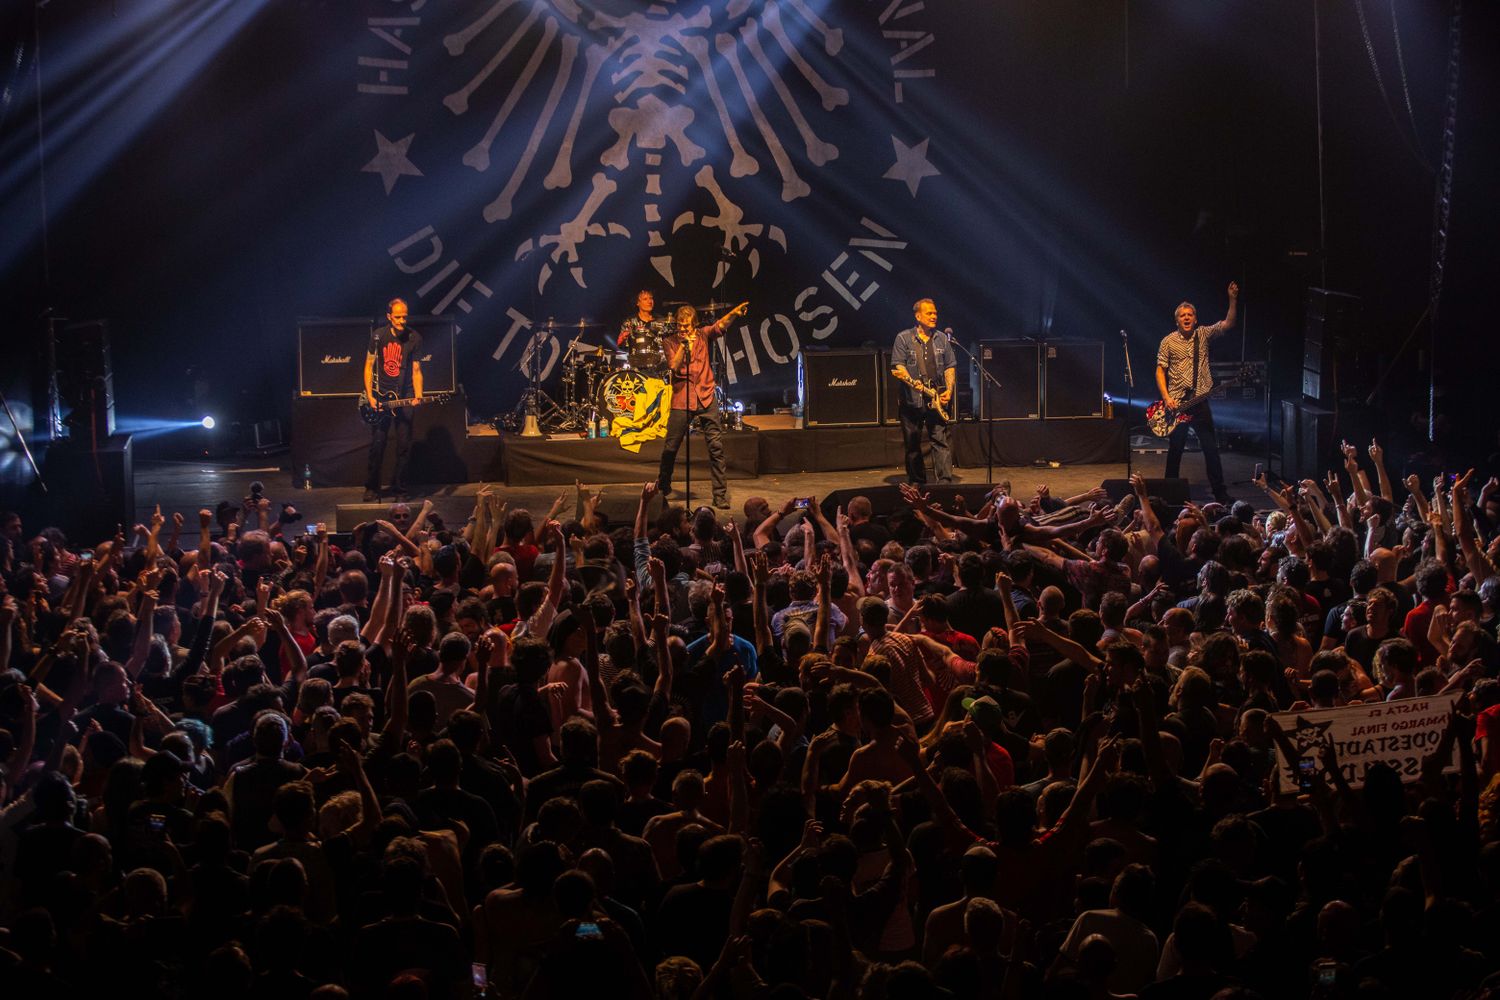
(1396, 733)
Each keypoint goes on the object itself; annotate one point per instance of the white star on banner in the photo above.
(391, 162)
(911, 164)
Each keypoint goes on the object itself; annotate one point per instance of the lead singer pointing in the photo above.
(693, 397)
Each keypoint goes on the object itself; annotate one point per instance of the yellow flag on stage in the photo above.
(647, 420)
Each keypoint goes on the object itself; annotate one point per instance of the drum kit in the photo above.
(600, 381)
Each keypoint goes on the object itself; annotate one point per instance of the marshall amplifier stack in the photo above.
(841, 388)
(1057, 380)
(331, 354)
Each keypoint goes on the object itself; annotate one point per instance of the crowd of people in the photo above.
(1029, 750)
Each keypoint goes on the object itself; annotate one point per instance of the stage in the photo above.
(330, 440)
(187, 486)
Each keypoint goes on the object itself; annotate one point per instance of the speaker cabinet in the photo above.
(330, 440)
(1016, 366)
(885, 500)
(1173, 492)
(1307, 445)
(331, 354)
(86, 381)
(1335, 364)
(890, 391)
(439, 365)
(1074, 379)
(90, 493)
(841, 388)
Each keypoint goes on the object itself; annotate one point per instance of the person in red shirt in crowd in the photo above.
(932, 615)
(1432, 582)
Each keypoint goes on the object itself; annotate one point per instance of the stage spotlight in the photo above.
(208, 423)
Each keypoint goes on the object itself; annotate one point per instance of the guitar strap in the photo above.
(1193, 390)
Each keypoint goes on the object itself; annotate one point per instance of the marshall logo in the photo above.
(843, 383)
(336, 359)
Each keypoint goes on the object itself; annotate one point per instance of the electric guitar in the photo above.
(390, 401)
(1163, 419)
(932, 396)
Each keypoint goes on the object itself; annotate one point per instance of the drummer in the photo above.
(641, 333)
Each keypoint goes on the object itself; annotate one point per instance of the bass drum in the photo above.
(618, 391)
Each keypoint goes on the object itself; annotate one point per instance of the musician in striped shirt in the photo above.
(1181, 384)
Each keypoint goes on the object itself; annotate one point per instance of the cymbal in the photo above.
(575, 324)
(711, 307)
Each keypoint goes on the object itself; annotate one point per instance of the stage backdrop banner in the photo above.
(527, 167)
(1395, 733)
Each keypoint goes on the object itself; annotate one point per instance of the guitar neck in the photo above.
(920, 386)
(414, 401)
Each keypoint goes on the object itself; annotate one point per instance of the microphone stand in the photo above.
(1129, 405)
(687, 409)
(989, 411)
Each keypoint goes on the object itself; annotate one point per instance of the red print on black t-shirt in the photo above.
(391, 358)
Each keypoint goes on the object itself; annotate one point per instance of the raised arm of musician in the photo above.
(416, 378)
(1232, 316)
(721, 324)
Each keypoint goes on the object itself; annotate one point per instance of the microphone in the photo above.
(947, 331)
(1123, 335)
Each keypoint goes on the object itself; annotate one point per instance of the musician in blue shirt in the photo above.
(923, 354)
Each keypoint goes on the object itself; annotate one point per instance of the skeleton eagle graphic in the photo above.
(646, 63)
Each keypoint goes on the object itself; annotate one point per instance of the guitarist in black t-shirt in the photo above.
(392, 372)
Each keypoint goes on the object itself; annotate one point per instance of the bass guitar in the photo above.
(374, 415)
(1163, 419)
(932, 395)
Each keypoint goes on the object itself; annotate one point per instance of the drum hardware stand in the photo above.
(535, 403)
(579, 410)
(572, 413)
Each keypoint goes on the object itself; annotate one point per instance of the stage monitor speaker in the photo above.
(1073, 380)
(1017, 366)
(1173, 492)
(91, 493)
(331, 354)
(348, 516)
(886, 500)
(86, 381)
(841, 388)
